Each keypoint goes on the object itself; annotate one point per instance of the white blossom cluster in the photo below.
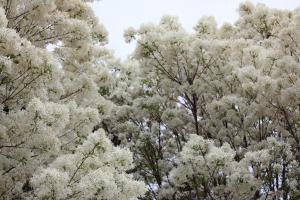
(52, 102)
(212, 114)
(217, 112)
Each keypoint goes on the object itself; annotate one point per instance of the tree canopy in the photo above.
(208, 115)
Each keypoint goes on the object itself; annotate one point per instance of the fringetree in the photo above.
(212, 114)
(218, 115)
(54, 74)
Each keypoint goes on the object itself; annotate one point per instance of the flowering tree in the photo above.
(212, 114)
(228, 98)
(53, 77)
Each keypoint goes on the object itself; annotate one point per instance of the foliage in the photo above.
(212, 114)
(220, 107)
(53, 69)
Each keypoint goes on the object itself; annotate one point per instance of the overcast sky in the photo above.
(117, 15)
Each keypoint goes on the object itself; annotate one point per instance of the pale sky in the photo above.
(117, 15)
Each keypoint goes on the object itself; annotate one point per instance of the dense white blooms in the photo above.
(237, 88)
(206, 26)
(52, 103)
(208, 115)
(3, 20)
(203, 165)
(129, 34)
(95, 171)
(50, 184)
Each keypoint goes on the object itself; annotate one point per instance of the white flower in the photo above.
(129, 34)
